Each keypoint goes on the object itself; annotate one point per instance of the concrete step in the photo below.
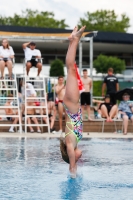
(88, 126)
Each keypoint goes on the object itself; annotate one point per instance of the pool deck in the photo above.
(47, 135)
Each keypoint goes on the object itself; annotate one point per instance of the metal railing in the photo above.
(14, 105)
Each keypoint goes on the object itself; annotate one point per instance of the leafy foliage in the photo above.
(33, 18)
(102, 63)
(56, 68)
(97, 85)
(105, 20)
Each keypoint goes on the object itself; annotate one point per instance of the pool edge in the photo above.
(47, 135)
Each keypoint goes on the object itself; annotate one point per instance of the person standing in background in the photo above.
(111, 84)
(60, 91)
(86, 95)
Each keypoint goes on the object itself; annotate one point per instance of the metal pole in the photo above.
(91, 66)
(80, 57)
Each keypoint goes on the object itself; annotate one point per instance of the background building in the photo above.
(107, 43)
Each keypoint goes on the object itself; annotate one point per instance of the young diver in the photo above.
(73, 131)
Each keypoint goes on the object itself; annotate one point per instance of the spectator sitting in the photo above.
(107, 109)
(30, 90)
(125, 111)
(6, 56)
(9, 111)
(131, 107)
(96, 107)
(32, 56)
(31, 111)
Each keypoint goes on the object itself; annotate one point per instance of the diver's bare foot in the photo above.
(73, 32)
(90, 119)
(77, 34)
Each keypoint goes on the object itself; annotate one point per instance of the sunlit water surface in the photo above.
(32, 169)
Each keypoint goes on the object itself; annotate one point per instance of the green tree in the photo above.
(105, 20)
(33, 18)
(97, 85)
(102, 63)
(56, 68)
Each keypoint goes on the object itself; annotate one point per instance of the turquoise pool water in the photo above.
(32, 169)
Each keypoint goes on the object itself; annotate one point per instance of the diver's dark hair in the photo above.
(63, 150)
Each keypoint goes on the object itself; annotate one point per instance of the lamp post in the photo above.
(86, 39)
(91, 66)
(90, 55)
(80, 57)
(91, 62)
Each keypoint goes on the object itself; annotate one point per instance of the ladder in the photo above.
(40, 88)
(10, 85)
